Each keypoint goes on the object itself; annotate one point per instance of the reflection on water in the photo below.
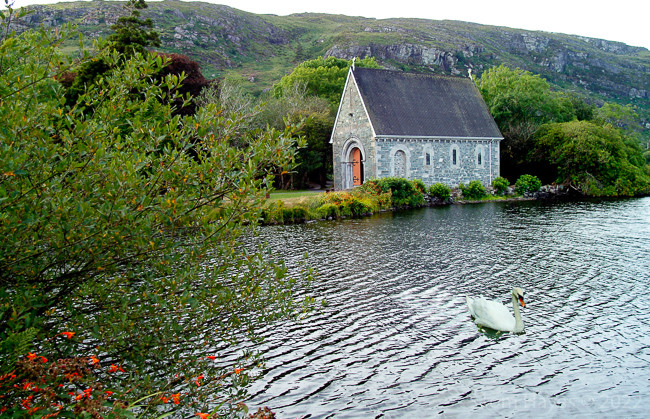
(396, 339)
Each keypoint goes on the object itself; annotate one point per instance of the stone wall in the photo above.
(440, 167)
(352, 129)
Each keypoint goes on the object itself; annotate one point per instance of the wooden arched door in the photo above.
(357, 172)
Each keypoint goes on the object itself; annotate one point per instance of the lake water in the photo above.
(396, 338)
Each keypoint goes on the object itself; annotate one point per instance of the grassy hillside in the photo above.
(262, 48)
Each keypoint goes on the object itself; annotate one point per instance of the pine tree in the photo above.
(132, 33)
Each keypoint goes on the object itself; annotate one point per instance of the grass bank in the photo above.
(289, 207)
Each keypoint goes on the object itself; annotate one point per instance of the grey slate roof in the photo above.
(409, 104)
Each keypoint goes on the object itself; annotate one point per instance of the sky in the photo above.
(625, 21)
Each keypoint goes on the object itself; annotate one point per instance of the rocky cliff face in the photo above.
(222, 38)
(610, 69)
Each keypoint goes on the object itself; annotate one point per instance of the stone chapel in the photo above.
(415, 126)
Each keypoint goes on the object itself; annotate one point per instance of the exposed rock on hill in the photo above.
(265, 47)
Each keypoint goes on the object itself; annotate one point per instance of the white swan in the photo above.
(495, 315)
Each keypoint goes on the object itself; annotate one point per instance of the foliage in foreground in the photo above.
(122, 270)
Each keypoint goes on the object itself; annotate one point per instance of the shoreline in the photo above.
(300, 214)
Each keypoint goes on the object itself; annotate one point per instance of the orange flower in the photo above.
(31, 356)
(27, 402)
(164, 399)
(33, 410)
(212, 357)
(93, 360)
(176, 398)
(72, 375)
(202, 415)
(115, 368)
(238, 370)
(67, 334)
(44, 360)
(108, 393)
(9, 375)
(198, 380)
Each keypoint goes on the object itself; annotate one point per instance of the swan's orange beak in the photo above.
(521, 301)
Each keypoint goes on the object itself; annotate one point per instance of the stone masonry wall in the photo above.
(440, 168)
(352, 126)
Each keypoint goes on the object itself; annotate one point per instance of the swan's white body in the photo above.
(495, 315)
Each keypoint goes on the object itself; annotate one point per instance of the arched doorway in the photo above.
(357, 169)
(353, 158)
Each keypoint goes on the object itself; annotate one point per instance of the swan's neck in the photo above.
(519, 324)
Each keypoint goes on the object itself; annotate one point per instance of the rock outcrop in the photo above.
(222, 38)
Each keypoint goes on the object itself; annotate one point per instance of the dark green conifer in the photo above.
(132, 33)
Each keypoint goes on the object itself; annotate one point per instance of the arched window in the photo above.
(454, 156)
(480, 156)
(400, 163)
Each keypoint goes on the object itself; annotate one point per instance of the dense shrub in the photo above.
(328, 210)
(279, 213)
(440, 191)
(500, 185)
(527, 184)
(347, 204)
(107, 221)
(272, 213)
(598, 160)
(419, 185)
(403, 191)
(193, 82)
(473, 190)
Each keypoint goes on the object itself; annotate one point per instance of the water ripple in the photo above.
(395, 339)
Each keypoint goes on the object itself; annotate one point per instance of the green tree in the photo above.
(323, 77)
(624, 117)
(132, 33)
(122, 267)
(301, 95)
(598, 160)
(620, 116)
(295, 106)
(520, 103)
(314, 162)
